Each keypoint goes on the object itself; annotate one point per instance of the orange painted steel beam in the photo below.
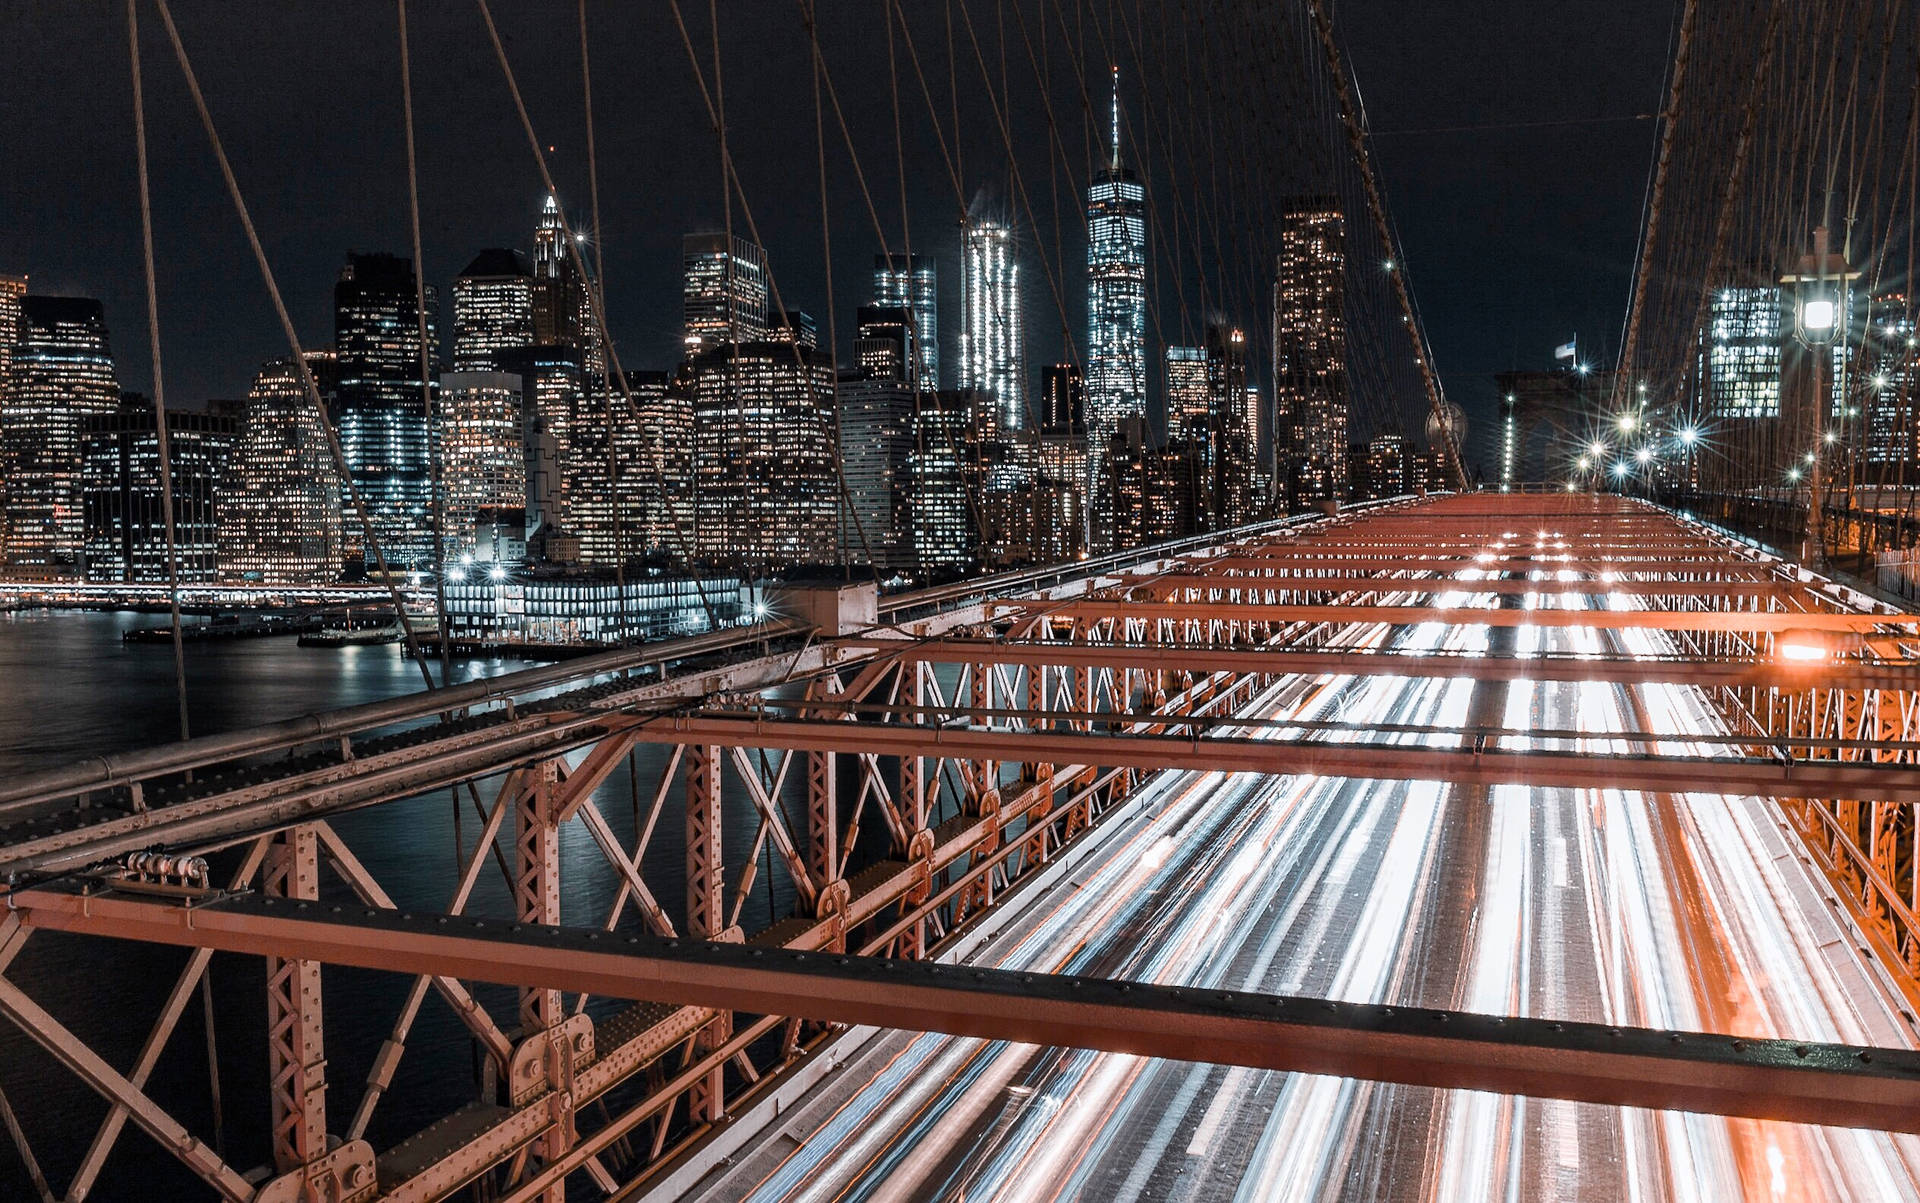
(1439, 561)
(1659, 774)
(1207, 578)
(1661, 620)
(1623, 670)
(1633, 1067)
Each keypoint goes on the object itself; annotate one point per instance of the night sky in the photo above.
(1517, 238)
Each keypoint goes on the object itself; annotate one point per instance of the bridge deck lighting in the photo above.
(1802, 647)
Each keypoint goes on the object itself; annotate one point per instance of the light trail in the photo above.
(1600, 906)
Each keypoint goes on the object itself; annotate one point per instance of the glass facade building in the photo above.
(126, 530)
(61, 374)
(992, 355)
(724, 291)
(1745, 335)
(278, 509)
(1310, 351)
(909, 282)
(1116, 292)
(492, 310)
(380, 410)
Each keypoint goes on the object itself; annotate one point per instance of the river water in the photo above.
(70, 687)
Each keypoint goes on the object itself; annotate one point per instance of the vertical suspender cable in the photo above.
(437, 515)
(1630, 345)
(1376, 208)
(596, 300)
(159, 384)
(606, 361)
(305, 369)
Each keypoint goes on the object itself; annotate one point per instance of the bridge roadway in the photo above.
(1594, 905)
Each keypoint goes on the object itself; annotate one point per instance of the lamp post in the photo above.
(1818, 281)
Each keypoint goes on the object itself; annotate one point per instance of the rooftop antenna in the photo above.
(1116, 116)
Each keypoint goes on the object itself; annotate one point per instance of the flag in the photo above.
(1564, 351)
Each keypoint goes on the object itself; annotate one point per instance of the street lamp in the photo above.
(1819, 283)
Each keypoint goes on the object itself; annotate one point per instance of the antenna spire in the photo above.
(1116, 116)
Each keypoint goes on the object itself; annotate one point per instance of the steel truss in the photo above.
(981, 728)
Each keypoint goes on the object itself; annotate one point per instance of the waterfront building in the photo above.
(13, 290)
(483, 455)
(381, 412)
(278, 507)
(765, 492)
(495, 605)
(1116, 291)
(724, 292)
(992, 355)
(492, 310)
(125, 521)
(909, 282)
(61, 374)
(1310, 350)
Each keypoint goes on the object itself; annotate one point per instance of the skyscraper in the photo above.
(126, 530)
(1230, 458)
(1892, 436)
(880, 346)
(1116, 292)
(992, 351)
(61, 375)
(381, 413)
(939, 520)
(1063, 402)
(763, 455)
(653, 469)
(876, 444)
(1310, 350)
(1744, 335)
(725, 291)
(553, 392)
(902, 281)
(1187, 397)
(492, 309)
(483, 463)
(278, 506)
(13, 289)
(562, 315)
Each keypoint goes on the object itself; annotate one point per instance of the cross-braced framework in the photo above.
(976, 735)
